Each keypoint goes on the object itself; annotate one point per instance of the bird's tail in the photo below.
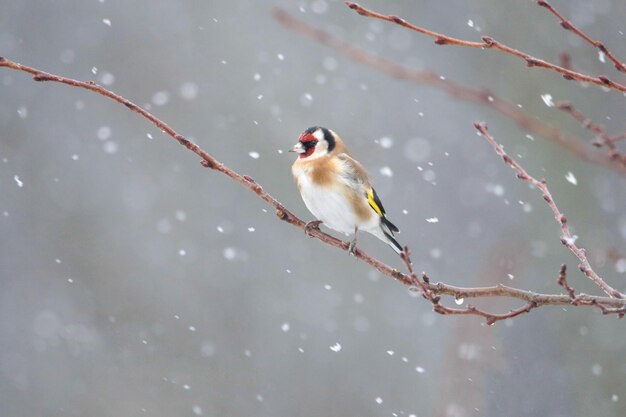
(393, 243)
(388, 229)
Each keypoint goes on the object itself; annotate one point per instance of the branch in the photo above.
(609, 304)
(567, 239)
(568, 25)
(473, 95)
(490, 43)
(603, 138)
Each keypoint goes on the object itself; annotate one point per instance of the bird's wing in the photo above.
(353, 172)
(358, 179)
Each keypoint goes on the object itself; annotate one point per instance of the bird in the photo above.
(337, 189)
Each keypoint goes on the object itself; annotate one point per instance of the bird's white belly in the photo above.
(328, 205)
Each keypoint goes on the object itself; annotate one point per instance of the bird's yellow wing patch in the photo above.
(373, 203)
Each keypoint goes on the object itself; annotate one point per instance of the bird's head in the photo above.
(316, 142)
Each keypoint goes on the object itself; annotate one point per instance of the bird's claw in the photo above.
(312, 225)
(352, 248)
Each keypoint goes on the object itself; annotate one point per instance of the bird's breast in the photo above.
(335, 204)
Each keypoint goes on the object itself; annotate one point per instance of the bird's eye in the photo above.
(309, 144)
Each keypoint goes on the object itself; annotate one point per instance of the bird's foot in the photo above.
(352, 248)
(312, 225)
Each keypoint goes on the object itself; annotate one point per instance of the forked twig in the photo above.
(425, 288)
(567, 239)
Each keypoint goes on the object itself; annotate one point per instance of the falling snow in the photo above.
(230, 253)
(107, 79)
(306, 99)
(385, 142)
(596, 369)
(189, 90)
(547, 99)
(110, 147)
(319, 6)
(18, 181)
(571, 178)
(336, 347)
(104, 132)
(160, 98)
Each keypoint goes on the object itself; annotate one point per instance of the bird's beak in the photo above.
(298, 148)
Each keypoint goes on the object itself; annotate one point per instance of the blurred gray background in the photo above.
(135, 282)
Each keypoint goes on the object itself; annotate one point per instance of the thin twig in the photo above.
(568, 25)
(562, 281)
(567, 239)
(611, 305)
(490, 43)
(454, 89)
(565, 59)
(602, 137)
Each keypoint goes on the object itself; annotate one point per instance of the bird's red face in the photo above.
(306, 144)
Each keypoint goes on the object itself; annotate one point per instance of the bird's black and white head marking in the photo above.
(316, 141)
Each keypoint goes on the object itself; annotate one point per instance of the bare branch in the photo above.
(432, 291)
(490, 43)
(567, 239)
(462, 92)
(602, 138)
(568, 25)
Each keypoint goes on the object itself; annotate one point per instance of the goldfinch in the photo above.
(336, 188)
